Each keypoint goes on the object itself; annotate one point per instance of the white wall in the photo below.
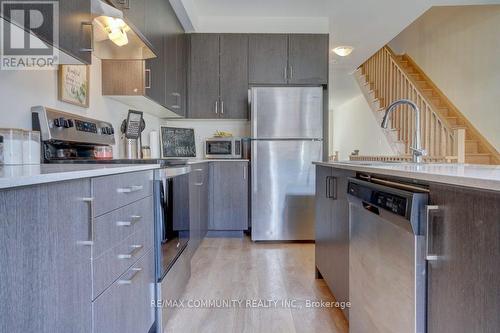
(355, 127)
(20, 90)
(206, 128)
(459, 49)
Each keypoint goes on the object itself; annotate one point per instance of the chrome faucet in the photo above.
(417, 150)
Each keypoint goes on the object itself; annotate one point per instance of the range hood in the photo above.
(115, 37)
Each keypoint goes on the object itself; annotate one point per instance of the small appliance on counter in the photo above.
(132, 129)
(223, 147)
(70, 137)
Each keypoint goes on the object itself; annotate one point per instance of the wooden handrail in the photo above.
(390, 81)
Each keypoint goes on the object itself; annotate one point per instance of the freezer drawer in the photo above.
(283, 180)
(287, 112)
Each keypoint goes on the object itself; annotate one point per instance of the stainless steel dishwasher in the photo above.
(387, 267)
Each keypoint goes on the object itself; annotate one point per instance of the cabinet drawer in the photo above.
(112, 263)
(112, 192)
(112, 228)
(126, 306)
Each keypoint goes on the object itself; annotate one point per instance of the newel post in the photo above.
(459, 144)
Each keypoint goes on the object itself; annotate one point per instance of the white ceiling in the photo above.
(261, 7)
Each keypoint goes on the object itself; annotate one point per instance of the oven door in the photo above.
(172, 222)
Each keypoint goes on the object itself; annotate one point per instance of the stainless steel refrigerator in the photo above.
(287, 136)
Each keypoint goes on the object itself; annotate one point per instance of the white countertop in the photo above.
(205, 160)
(23, 175)
(468, 175)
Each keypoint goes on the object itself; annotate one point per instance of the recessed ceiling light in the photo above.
(343, 51)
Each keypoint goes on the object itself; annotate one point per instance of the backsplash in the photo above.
(206, 128)
(20, 90)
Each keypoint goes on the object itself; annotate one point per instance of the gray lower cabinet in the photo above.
(228, 195)
(463, 280)
(268, 59)
(126, 306)
(198, 204)
(308, 59)
(332, 230)
(45, 270)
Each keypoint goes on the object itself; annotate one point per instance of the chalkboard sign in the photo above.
(177, 142)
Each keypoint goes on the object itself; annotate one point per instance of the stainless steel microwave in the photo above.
(223, 148)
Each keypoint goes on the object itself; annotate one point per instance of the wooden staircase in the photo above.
(446, 134)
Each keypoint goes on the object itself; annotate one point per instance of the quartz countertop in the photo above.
(24, 175)
(467, 175)
(205, 160)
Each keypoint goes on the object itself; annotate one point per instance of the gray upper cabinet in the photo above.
(228, 196)
(204, 76)
(268, 59)
(234, 76)
(134, 11)
(175, 72)
(218, 76)
(75, 27)
(155, 28)
(288, 59)
(308, 59)
(46, 270)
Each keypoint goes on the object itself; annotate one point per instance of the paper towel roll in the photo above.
(154, 144)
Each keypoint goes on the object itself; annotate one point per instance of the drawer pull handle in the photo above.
(135, 219)
(90, 241)
(130, 255)
(129, 281)
(130, 189)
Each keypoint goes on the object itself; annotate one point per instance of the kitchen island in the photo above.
(461, 234)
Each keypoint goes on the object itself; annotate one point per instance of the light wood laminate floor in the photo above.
(238, 269)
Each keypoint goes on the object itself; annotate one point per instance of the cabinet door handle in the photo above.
(90, 241)
(148, 72)
(130, 255)
(177, 101)
(285, 74)
(291, 72)
(130, 189)
(136, 271)
(245, 172)
(331, 187)
(428, 233)
(221, 107)
(200, 183)
(134, 220)
(217, 107)
(91, 48)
